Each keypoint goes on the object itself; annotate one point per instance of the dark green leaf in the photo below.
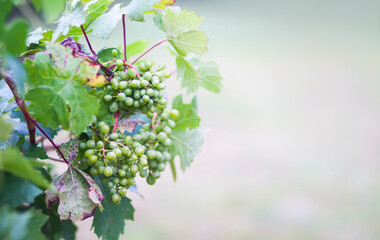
(33, 229)
(12, 161)
(105, 54)
(13, 225)
(15, 45)
(15, 191)
(58, 97)
(110, 223)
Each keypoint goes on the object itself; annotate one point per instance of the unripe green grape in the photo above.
(93, 171)
(113, 190)
(166, 75)
(82, 146)
(114, 52)
(159, 156)
(131, 73)
(161, 86)
(90, 144)
(146, 98)
(167, 156)
(149, 115)
(113, 145)
(116, 198)
(89, 152)
(116, 180)
(167, 143)
(115, 86)
(143, 162)
(161, 167)
(143, 173)
(128, 92)
(155, 82)
(148, 64)
(123, 85)
(174, 113)
(151, 154)
(156, 174)
(101, 169)
(144, 83)
(111, 156)
(121, 172)
(123, 75)
(123, 191)
(159, 75)
(171, 123)
(107, 98)
(105, 129)
(118, 152)
(108, 171)
(99, 144)
(101, 124)
(114, 81)
(136, 104)
(167, 130)
(119, 62)
(152, 163)
(135, 83)
(146, 127)
(131, 182)
(110, 183)
(147, 76)
(113, 107)
(161, 137)
(127, 140)
(150, 179)
(125, 150)
(151, 136)
(128, 101)
(134, 157)
(134, 169)
(139, 151)
(142, 66)
(136, 95)
(121, 97)
(114, 136)
(124, 182)
(150, 92)
(163, 101)
(93, 158)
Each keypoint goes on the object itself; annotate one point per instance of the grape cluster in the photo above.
(137, 89)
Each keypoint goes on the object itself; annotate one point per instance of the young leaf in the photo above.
(57, 96)
(187, 145)
(15, 191)
(35, 36)
(209, 76)
(5, 130)
(110, 223)
(183, 21)
(192, 41)
(78, 195)
(188, 119)
(69, 19)
(136, 8)
(106, 23)
(12, 161)
(187, 74)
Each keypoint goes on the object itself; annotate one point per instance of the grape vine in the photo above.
(120, 119)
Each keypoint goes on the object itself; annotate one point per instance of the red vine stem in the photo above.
(88, 41)
(20, 102)
(149, 50)
(124, 40)
(116, 121)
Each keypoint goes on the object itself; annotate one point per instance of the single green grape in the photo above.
(134, 169)
(114, 52)
(113, 107)
(89, 152)
(107, 98)
(116, 198)
(123, 191)
(111, 156)
(143, 173)
(151, 179)
(108, 172)
(161, 137)
(93, 158)
(119, 62)
(82, 146)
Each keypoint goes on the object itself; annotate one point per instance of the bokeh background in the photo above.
(292, 150)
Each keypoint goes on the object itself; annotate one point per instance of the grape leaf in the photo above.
(181, 29)
(78, 195)
(50, 9)
(163, 4)
(58, 97)
(70, 150)
(35, 36)
(5, 130)
(136, 47)
(5, 8)
(136, 8)
(69, 19)
(15, 190)
(110, 223)
(12, 161)
(104, 25)
(5, 95)
(209, 76)
(188, 118)
(13, 225)
(187, 145)
(187, 74)
(33, 151)
(105, 54)
(33, 228)
(192, 41)
(10, 43)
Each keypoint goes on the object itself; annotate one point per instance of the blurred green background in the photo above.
(293, 146)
